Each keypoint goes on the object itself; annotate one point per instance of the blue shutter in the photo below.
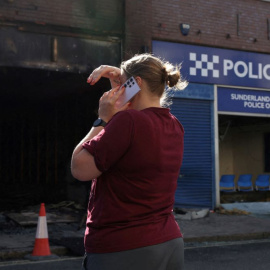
(196, 186)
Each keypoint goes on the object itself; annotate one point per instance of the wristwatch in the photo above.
(99, 122)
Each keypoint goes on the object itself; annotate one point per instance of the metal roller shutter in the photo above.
(196, 180)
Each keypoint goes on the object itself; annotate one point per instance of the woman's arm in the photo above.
(110, 72)
(83, 166)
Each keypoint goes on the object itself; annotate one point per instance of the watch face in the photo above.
(99, 122)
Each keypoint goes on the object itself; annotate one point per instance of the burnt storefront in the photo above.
(46, 108)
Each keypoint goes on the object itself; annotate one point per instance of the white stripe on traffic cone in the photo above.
(42, 247)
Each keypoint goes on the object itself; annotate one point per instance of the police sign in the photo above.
(244, 101)
(217, 66)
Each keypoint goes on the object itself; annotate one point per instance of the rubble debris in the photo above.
(31, 218)
(233, 211)
(191, 214)
(66, 204)
(63, 212)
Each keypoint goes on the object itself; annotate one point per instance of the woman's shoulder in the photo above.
(129, 114)
(148, 114)
(128, 117)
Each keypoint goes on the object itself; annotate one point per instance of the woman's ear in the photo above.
(139, 81)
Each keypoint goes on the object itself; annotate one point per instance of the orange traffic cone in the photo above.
(42, 247)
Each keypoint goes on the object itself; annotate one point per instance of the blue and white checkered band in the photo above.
(203, 66)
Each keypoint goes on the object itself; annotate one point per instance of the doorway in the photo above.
(243, 144)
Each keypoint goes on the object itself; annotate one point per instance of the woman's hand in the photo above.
(110, 72)
(108, 103)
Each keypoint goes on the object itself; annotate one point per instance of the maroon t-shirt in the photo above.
(139, 154)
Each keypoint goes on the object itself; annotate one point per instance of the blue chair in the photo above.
(262, 182)
(226, 183)
(244, 182)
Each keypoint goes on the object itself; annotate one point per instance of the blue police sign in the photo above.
(243, 101)
(217, 66)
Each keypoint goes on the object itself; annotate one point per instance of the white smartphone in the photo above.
(132, 88)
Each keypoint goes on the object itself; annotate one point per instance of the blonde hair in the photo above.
(159, 75)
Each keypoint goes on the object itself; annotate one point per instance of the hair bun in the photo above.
(170, 75)
(173, 78)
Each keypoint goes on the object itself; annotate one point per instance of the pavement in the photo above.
(197, 226)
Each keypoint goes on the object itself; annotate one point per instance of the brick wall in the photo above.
(101, 17)
(212, 23)
(138, 26)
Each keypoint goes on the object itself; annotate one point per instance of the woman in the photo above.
(133, 155)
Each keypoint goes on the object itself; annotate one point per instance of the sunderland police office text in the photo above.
(253, 101)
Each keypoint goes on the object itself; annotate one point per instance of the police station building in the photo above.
(225, 111)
